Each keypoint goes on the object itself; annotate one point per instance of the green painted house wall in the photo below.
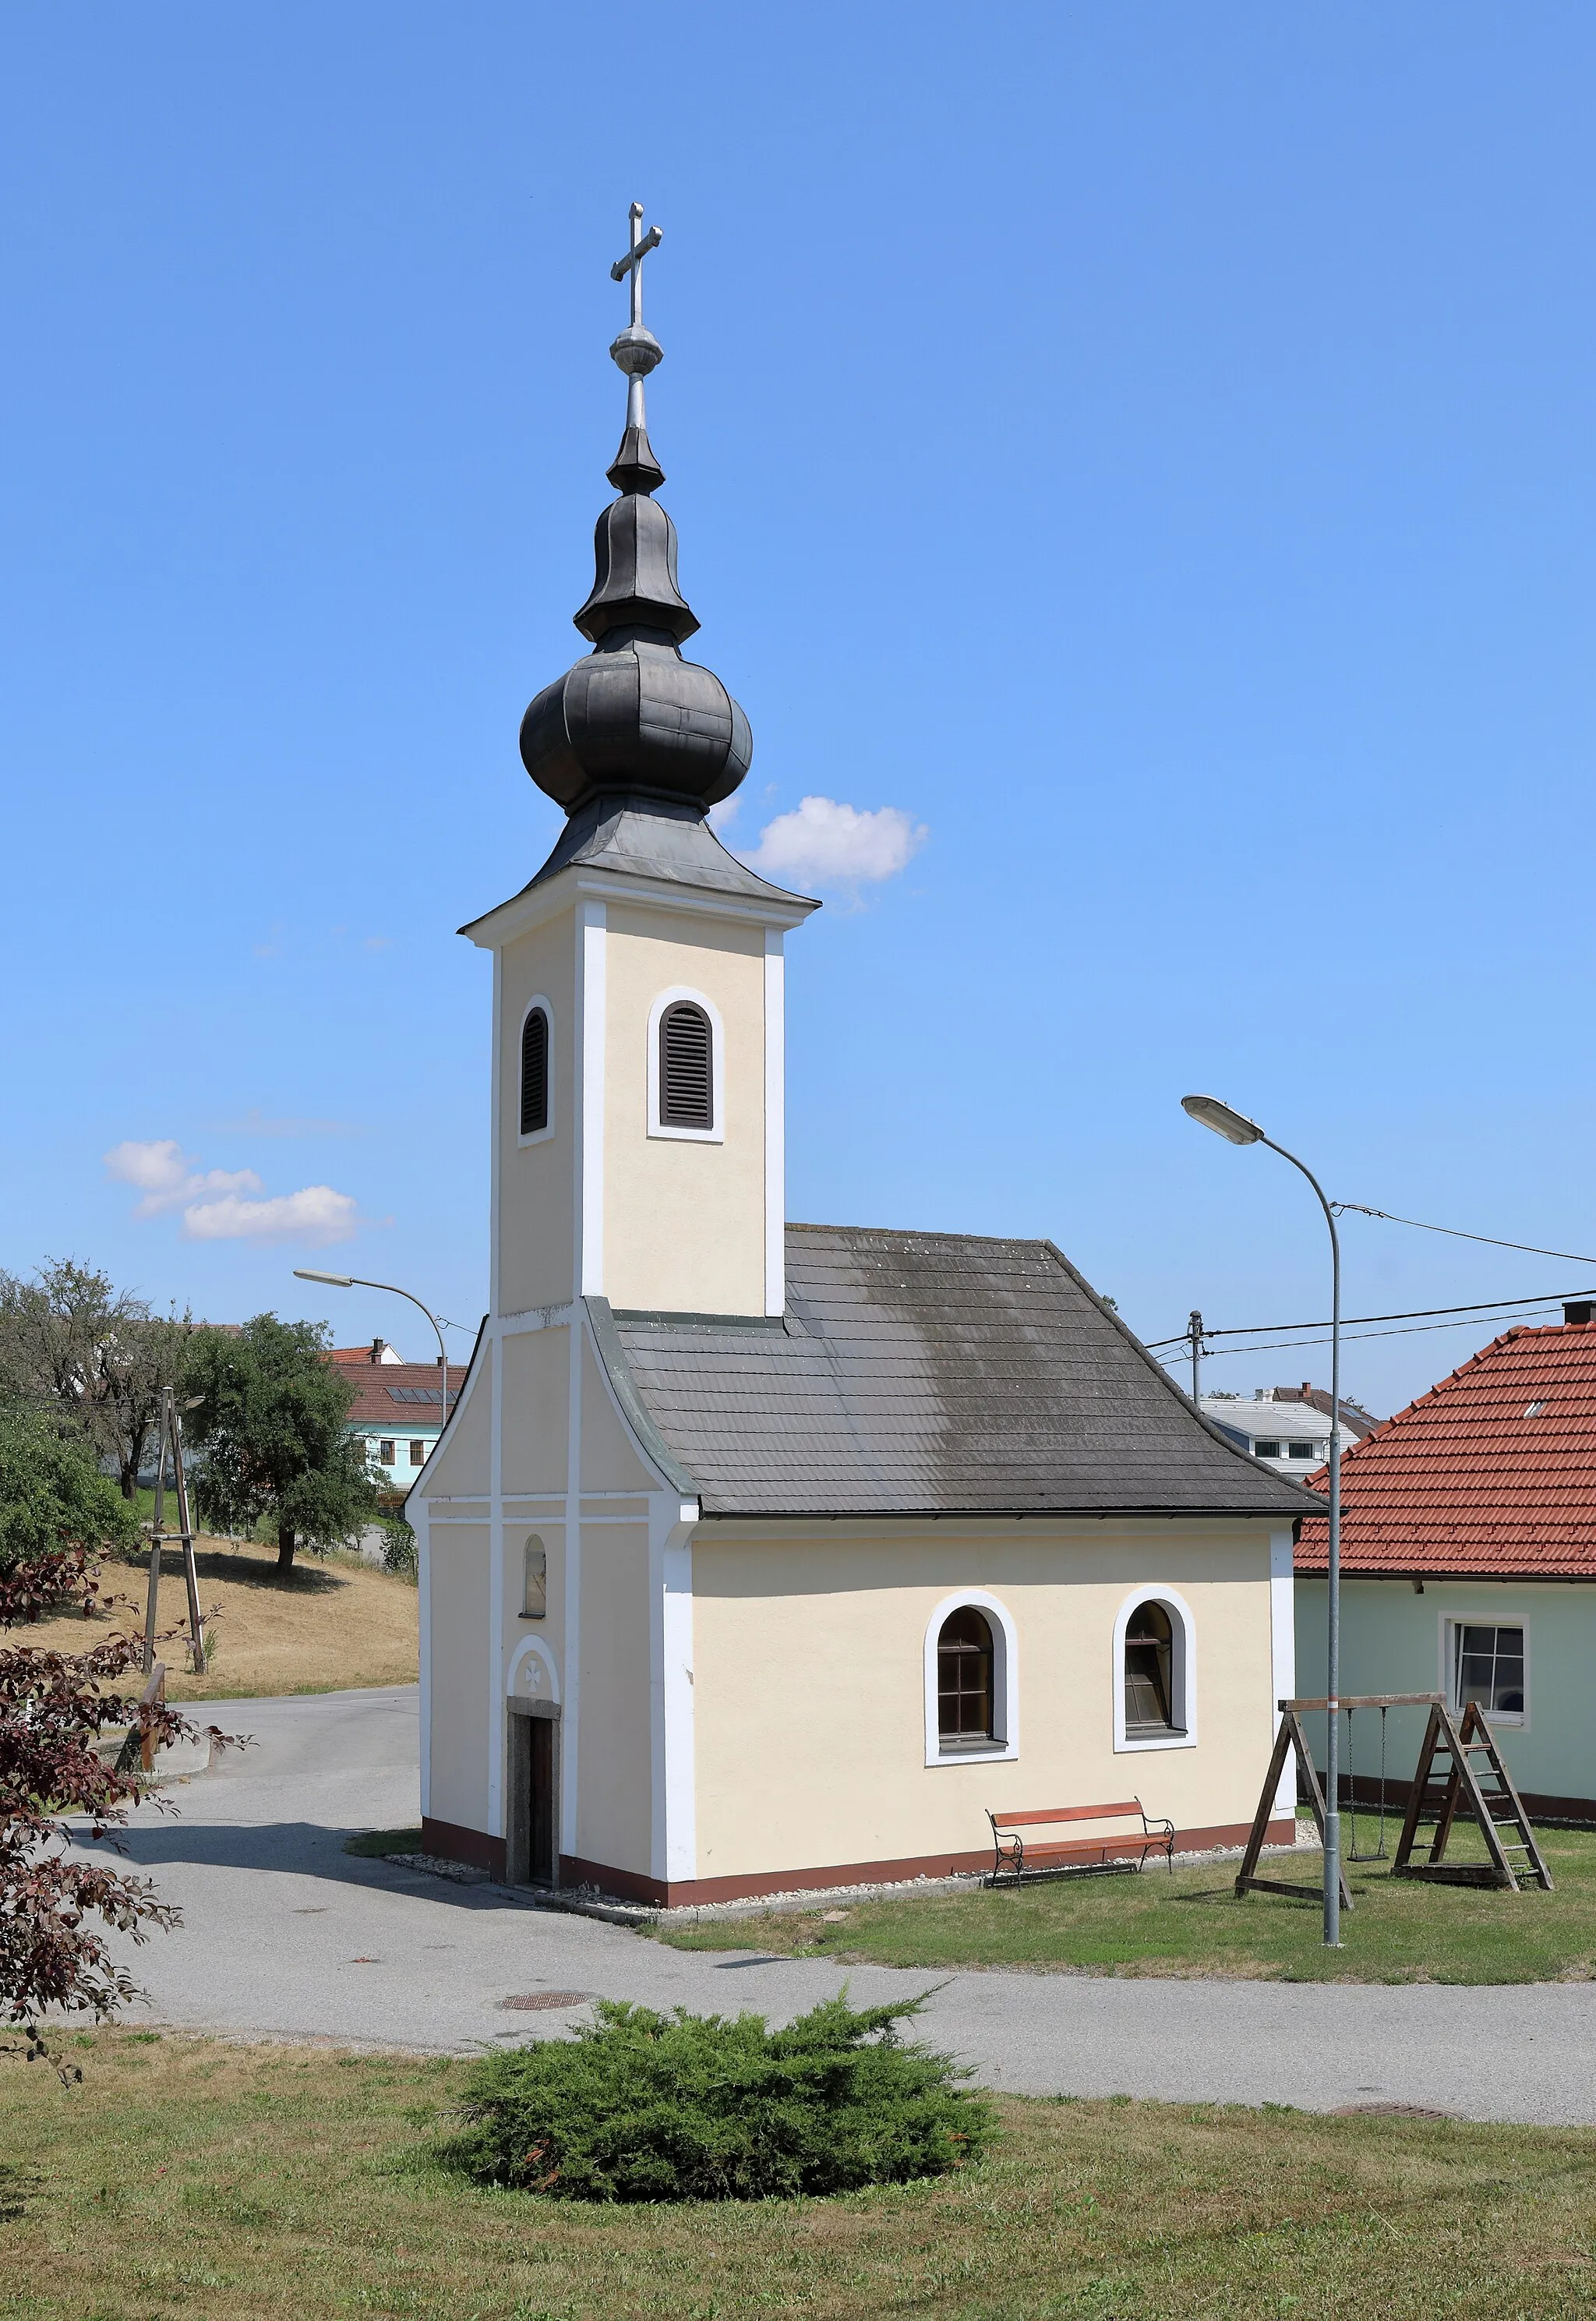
(1393, 1640)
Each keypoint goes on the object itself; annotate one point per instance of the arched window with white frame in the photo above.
(972, 1707)
(686, 1067)
(536, 1073)
(1155, 1672)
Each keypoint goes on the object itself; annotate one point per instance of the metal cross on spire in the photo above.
(637, 351)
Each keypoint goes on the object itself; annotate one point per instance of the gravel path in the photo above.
(285, 1936)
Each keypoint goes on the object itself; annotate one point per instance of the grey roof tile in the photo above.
(929, 1374)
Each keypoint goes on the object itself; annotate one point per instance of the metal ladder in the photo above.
(1436, 1798)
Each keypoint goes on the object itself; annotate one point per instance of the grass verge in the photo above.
(374, 1845)
(1401, 1930)
(186, 2177)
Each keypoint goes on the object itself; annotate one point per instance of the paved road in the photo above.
(287, 1935)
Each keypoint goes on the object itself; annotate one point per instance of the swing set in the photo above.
(1448, 1784)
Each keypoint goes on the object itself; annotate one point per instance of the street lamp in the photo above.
(358, 1282)
(1237, 1129)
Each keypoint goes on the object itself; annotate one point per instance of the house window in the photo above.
(1154, 1673)
(1149, 1672)
(418, 1454)
(535, 1598)
(686, 1075)
(385, 1452)
(1265, 1450)
(534, 1071)
(964, 1678)
(1488, 1667)
(1299, 1450)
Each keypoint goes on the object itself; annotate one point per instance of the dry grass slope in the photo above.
(186, 2177)
(335, 1623)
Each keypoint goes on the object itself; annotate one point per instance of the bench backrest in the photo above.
(1064, 1813)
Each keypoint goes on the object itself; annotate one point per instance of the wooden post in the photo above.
(158, 1531)
(196, 1633)
(1290, 1736)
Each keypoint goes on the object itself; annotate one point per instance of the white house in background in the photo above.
(396, 1409)
(1288, 1427)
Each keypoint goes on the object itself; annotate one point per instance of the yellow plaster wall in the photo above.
(683, 1221)
(534, 1415)
(614, 1796)
(458, 1602)
(461, 1468)
(536, 1219)
(809, 1692)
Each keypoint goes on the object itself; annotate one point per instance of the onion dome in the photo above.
(633, 717)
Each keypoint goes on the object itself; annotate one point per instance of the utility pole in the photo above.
(1194, 1333)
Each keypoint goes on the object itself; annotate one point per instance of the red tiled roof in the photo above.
(1466, 1481)
(376, 1403)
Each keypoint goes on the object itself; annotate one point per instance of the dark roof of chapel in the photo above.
(649, 838)
(926, 1374)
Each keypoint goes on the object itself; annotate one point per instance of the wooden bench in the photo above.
(1017, 1857)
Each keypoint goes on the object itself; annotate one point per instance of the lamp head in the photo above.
(333, 1281)
(1235, 1127)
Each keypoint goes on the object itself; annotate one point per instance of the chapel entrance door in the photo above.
(532, 1861)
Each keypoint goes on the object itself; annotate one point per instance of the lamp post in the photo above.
(358, 1282)
(1236, 1129)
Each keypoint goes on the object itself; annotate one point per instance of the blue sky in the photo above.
(1149, 449)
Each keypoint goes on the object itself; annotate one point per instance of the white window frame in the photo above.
(1005, 1682)
(537, 1135)
(1494, 1618)
(656, 1127)
(1183, 1671)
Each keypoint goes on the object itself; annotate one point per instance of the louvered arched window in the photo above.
(686, 1067)
(534, 1072)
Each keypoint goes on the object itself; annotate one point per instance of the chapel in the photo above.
(759, 1556)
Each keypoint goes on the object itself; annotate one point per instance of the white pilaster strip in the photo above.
(421, 1523)
(495, 1124)
(1282, 1659)
(495, 1597)
(674, 1847)
(571, 1721)
(775, 1125)
(591, 1029)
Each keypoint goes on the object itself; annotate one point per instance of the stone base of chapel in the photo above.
(453, 1843)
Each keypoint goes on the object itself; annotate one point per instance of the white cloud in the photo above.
(219, 1204)
(168, 1179)
(832, 844)
(314, 1215)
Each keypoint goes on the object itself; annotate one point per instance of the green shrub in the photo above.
(647, 2106)
(399, 1545)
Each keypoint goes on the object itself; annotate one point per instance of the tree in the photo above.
(57, 1510)
(97, 1355)
(268, 1413)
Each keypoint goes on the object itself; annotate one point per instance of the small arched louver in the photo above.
(534, 1072)
(687, 1078)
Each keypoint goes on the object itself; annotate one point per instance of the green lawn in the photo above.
(190, 2180)
(1400, 1930)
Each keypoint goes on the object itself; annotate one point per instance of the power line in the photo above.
(1293, 1345)
(1530, 1247)
(1546, 1298)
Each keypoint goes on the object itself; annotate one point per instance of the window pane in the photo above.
(418, 1454)
(534, 1602)
(1302, 1450)
(1265, 1450)
(385, 1452)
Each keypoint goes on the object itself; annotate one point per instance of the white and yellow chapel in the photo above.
(759, 1556)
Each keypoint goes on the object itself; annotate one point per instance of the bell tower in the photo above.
(637, 1076)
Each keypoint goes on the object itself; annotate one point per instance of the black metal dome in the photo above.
(633, 716)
